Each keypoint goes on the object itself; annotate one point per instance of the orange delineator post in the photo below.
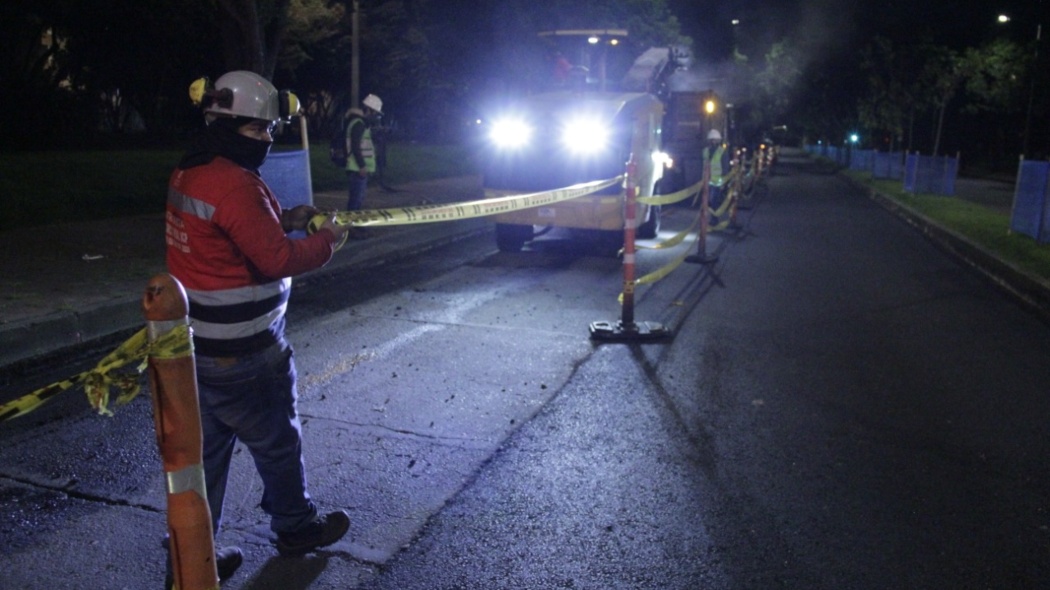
(176, 416)
(736, 188)
(627, 328)
(630, 221)
(701, 256)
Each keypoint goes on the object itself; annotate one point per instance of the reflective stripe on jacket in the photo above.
(228, 249)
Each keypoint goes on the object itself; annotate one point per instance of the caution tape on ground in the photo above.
(106, 377)
(467, 209)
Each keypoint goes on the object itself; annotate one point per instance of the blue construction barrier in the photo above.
(888, 165)
(1029, 215)
(288, 176)
(854, 158)
(835, 154)
(862, 160)
(930, 174)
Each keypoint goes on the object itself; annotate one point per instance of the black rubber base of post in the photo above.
(635, 331)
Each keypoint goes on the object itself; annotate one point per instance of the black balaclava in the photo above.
(220, 138)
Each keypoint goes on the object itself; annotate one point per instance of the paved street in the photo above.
(843, 405)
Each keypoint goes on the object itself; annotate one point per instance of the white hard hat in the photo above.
(714, 134)
(373, 102)
(245, 94)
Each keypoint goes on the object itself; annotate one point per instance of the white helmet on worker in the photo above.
(714, 134)
(373, 102)
(244, 94)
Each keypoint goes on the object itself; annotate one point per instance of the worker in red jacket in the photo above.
(228, 243)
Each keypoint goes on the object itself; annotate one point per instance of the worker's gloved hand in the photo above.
(327, 221)
(297, 218)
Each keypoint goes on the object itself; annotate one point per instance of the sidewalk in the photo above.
(67, 284)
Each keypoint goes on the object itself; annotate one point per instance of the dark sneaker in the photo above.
(322, 532)
(227, 560)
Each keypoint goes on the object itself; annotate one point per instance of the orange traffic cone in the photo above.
(176, 415)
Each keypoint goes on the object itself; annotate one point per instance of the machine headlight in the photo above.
(585, 136)
(510, 133)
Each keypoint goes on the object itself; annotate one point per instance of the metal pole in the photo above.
(355, 56)
(1031, 86)
(303, 131)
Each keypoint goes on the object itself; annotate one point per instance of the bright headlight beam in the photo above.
(510, 133)
(585, 136)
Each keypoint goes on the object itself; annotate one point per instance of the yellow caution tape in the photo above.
(726, 203)
(99, 381)
(666, 270)
(673, 240)
(672, 197)
(685, 193)
(678, 238)
(467, 209)
(662, 271)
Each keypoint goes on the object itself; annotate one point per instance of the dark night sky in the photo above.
(844, 24)
(831, 33)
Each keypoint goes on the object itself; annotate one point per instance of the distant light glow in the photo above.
(709, 107)
(854, 138)
(1004, 18)
(593, 40)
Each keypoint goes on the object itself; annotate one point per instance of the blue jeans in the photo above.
(714, 196)
(356, 193)
(253, 399)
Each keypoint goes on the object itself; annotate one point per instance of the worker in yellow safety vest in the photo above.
(361, 153)
(717, 157)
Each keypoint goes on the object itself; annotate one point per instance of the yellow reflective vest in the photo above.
(368, 150)
(716, 163)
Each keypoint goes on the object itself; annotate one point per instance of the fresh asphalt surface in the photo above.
(850, 409)
(843, 405)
